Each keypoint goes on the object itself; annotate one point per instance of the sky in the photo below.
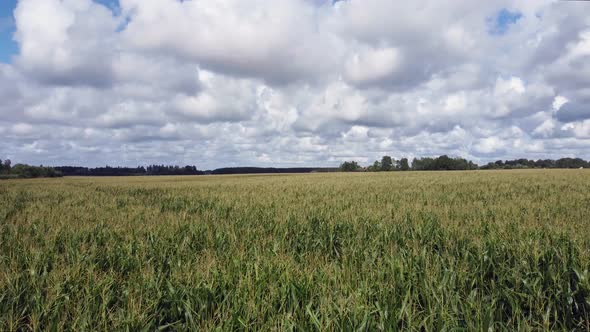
(292, 82)
(8, 47)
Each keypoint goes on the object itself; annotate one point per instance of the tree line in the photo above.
(540, 163)
(386, 164)
(272, 170)
(8, 171)
(446, 163)
(129, 171)
(26, 171)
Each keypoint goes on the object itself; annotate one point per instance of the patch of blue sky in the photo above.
(114, 6)
(8, 46)
(501, 22)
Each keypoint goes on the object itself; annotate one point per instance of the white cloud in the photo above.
(456, 103)
(275, 41)
(70, 42)
(546, 128)
(489, 145)
(558, 102)
(373, 66)
(513, 85)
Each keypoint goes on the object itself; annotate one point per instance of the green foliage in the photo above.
(7, 171)
(5, 166)
(376, 167)
(349, 166)
(442, 163)
(541, 163)
(386, 163)
(429, 251)
(26, 171)
(404, 165)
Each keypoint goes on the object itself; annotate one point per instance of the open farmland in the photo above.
(373, 251)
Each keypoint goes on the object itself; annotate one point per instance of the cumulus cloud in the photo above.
(69, 42)
(373, 66)
(275, 41)
(294, 82)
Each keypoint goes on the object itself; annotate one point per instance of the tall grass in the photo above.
(499, 250)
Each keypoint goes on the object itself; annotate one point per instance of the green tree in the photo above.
(349, 166)
(6, 165)
(386, 163)
(28, 171)
(404, 165)
(376, 167)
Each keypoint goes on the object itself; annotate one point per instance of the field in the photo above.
(474, 250)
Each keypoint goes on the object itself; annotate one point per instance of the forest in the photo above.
(446, 163)
(386, 164)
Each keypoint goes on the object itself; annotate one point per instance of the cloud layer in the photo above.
(295, 82)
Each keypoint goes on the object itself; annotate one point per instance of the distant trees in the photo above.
(540, 163)
(101, 171)
(349, 166)
(404, 165)
(27, 171)
(172, 170)
(442, 163)
(129, 171)
(376, 167)
(7, 171)
(270, 170)
(5, 166)
(386, 163)
(571, 163)
(446, 163)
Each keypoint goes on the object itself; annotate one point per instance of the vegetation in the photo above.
(5, 166)
(27, 171)
(442, 163)
(541, 163)
(350, 166)
(128, 171)
(177, 170)
(269, 170)
(432, 251)
(386, 164)
(446, 163)
(7, 171)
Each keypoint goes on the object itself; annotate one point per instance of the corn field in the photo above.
(425, 251)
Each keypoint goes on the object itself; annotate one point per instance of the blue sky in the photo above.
(503, 20)
(7, 46)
